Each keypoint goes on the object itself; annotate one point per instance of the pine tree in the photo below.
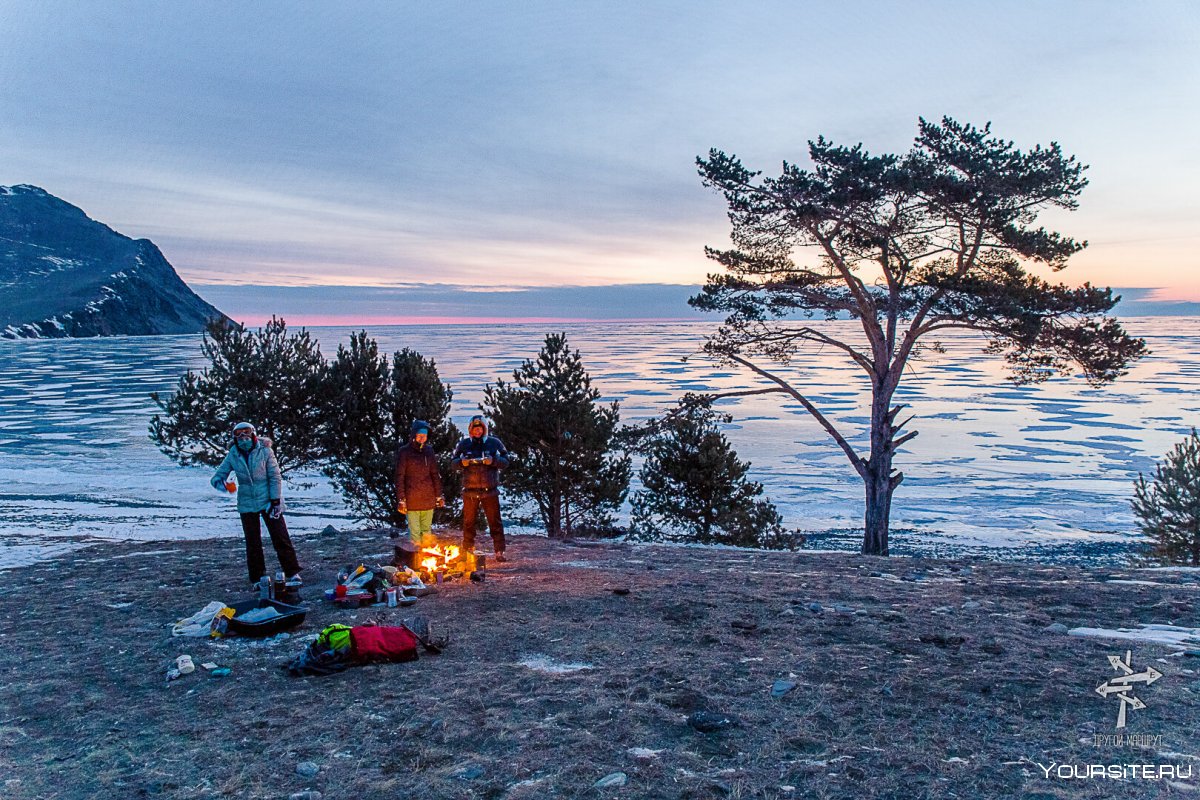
(1168, 509)
(908, 246)
(371, 403)
(269, 377)
(561, 439)
(695, 488)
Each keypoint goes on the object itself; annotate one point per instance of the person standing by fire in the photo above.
(259, 490)
(479, 458)
(418, 484)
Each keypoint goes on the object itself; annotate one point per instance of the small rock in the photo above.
(1057, 627)
(787, 612)
(612, 780)
(709, 722)
(972, 604)
(621, 590)
(815, 607)
(942, 610)
(942, 639)
(309, 795)
(469, 772)
(308, 769)
(874, 574)
(743, 625)
(782, 687)
(912, 576)
(329, 530)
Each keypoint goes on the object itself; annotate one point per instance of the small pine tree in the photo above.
(269, 377)
(371, 403)
(1168, 509)
(561, 439)
(695, 487)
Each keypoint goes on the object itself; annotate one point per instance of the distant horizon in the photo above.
(440, 304)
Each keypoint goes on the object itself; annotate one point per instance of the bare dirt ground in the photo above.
(554, 682)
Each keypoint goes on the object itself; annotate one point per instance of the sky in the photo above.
(460, 148)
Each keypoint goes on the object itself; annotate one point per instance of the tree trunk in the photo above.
(878, 481)
(878, 509)
(554, 521)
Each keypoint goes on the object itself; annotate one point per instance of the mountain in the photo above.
(63, 274)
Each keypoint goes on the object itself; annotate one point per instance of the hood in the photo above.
(477, 420)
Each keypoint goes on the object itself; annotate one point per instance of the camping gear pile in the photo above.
(381, 585)
(341, 646)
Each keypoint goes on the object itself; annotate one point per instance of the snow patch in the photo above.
(1158, 634)
(546, 664)
(643, 752)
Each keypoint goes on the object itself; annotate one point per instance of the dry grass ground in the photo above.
(900, 690)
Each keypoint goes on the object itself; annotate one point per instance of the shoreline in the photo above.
(1057, 551)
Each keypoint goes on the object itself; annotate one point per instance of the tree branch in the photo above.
(855, 460)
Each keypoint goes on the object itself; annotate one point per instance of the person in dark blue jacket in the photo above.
(479, 458)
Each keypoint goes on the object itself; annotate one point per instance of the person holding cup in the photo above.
(259, 490)
(480, 458)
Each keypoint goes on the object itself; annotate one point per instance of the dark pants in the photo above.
(279, 540)
(490, 500)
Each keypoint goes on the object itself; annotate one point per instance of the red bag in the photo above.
(377, 643)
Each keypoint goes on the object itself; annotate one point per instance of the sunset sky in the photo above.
(552, 144)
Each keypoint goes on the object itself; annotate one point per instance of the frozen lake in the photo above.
(1040, 472)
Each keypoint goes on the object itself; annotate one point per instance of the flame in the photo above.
(438, 558)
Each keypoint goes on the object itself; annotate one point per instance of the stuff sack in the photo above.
(372, 644)
(319, 659)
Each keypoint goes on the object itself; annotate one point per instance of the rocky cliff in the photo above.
(62, 274)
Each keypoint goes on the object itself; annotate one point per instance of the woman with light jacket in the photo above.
(259, 495)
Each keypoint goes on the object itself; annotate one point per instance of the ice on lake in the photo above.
(1041, 472)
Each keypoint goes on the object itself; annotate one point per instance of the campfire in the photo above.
(439, 563)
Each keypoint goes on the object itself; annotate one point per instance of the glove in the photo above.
(276, 510)
(402, 507)
(487, 459)
(440, 502)
(466, 462)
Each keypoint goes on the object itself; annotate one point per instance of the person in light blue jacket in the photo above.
(259, 495)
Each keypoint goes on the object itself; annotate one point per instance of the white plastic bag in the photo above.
(200, 623)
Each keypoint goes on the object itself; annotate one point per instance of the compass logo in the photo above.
(1122, 686)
